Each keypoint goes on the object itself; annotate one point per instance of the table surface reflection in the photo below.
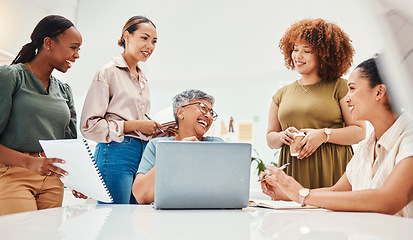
(91, 221)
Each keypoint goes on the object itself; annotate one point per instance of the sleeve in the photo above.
(353, 168)
(8, 81)
(349, 171)
(278, 96)
(148, 157)
(406, 147)
(93, 124)
(342, 88)
(70, 132)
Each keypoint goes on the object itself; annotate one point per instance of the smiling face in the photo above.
(141, 43)
(305, 62)
(361, 97)
(64, 49)
(192, 121)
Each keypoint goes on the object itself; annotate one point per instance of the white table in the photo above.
(91, 221)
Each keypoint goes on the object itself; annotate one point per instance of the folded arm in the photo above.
(144, 187)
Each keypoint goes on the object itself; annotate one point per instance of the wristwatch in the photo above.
(328, 133)
(302, 194)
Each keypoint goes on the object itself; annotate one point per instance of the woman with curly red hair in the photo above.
(321, 53)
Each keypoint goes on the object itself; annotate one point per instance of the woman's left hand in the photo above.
(171, 130)
(312, 140)
(286, 184)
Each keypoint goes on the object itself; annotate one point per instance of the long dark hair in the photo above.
(131, 26)
(50, 26)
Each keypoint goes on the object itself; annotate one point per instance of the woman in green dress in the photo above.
(321, 53)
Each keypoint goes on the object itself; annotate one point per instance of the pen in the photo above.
(269, 174)
(284, 166)
(156, 126)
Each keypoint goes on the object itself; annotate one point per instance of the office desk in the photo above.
(143, 222)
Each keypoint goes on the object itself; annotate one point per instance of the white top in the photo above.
(115, 96)
(395, 145)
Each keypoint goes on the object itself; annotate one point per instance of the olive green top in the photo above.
(317, 109)
(28, 113)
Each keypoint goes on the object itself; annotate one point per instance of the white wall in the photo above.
(226, 47)
(19, 17)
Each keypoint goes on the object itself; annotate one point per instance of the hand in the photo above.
(312, 140)
(284, 183)
(287, 138)
(44, 167)
(78, 194)
(171, 129)
(273, 192)
(149, 126)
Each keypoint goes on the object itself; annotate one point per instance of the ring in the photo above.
(50, 173)
(275, 176)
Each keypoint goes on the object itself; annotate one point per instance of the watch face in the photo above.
(304, 192)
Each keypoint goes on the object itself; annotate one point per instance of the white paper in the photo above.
(84, 176)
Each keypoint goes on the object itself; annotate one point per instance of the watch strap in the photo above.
(302, 194)
(328, 133)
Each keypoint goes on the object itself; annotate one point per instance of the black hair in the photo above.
(370, 70)
(132, 25)
(50, 26)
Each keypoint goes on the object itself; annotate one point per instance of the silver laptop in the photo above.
(202, 175)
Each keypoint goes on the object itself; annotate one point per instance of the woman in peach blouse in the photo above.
(114, 110)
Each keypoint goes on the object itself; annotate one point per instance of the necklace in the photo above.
(305, 89)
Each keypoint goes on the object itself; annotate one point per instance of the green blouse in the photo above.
(317, 109)
(28, 113)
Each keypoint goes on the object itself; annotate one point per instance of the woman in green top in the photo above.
(321, 53)
(36, 106)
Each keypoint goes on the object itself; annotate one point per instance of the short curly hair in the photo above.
(187, 96)
(331, 45)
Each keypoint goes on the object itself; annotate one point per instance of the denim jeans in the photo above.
(118, 164)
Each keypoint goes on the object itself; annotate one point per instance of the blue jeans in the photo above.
(118, 164)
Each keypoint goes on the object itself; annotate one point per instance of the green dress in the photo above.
(317, 109)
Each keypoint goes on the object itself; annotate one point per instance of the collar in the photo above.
(394, 132)
(120, 62)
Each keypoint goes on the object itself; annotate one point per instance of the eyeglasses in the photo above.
(204, 109)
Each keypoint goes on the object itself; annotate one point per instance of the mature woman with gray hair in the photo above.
(194, 116)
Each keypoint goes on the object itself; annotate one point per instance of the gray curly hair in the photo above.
(187, 96)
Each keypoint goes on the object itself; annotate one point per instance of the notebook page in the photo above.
(84, 176)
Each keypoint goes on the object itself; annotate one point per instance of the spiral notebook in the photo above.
(84, 175)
